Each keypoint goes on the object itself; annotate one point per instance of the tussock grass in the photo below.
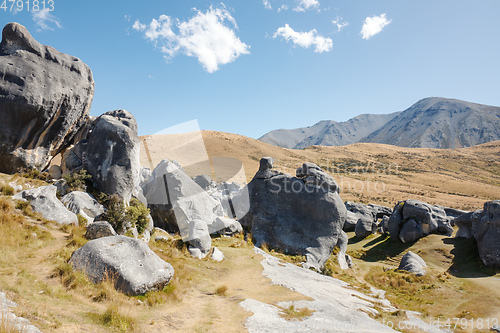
(221, 290)
(291, 313)
(288, 257)
(6, 189)
(114, 319)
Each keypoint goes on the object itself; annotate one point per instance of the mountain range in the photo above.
(433, 122)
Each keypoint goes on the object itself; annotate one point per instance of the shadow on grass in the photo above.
(466, 262)
(381, 248)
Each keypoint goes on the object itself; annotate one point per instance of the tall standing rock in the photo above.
(112, 153)
(109, 151)
(301, 215)
(45, 98)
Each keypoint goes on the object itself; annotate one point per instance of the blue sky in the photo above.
(251, 66)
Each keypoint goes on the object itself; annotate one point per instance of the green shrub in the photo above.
(76, 181)
(115, 213)
(119, 216)
(137, 214)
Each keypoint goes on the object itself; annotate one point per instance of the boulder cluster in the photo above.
(44, 105)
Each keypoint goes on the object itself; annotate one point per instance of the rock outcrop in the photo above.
(178, 203)
(413, 219)
(133, 267)
(300, 215)
(45, 98)
(99, 229)
(84, 204)
(484, 226)
(363, 218)
(412, 263)
(112, 153)
(109, 151)
(44, 201)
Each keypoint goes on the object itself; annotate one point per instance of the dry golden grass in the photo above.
(369, 173)
(291, 313)
(34, 272)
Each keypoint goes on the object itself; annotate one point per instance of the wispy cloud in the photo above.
(44, 20)
(339, 23)
(267, 4)
(305, 39)
(283, 7)
(373, 25)
(205, 36)
(304, 5)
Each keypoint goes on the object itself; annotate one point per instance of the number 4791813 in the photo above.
(27, 5)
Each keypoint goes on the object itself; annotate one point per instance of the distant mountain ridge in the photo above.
(432, 122)
(328, 132)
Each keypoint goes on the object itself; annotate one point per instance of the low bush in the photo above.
(76, 181)
(119, 216)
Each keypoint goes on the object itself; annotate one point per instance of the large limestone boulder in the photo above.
(484, 226)
(45, 98)
(44, 201)
(112, 153)
(413, 263)
(414, 219)
(177, 203)
(84, 204)
(301, 215)
(133, 266)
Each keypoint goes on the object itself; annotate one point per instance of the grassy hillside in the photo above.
(369, 173)
(204, 295)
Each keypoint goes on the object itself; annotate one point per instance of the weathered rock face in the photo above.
(363, 218)
(135, 268)
(224, 226)
(413, 219)
(44, 201)
(84, 204)
(345, 261)
(177, 203)
(297, 215)
(412, 263)
(484, 226)
(45, 98)
(112, 153)
(99, 229)
(205, 182)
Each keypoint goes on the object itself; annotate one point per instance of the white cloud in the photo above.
(305, 39)
(139, 26)
(44, 20)
(283, 7)
(204, 36)
(340, 24)
(304, 5)
(373, 25)
(267, 4)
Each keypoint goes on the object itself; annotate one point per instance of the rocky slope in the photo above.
(432, 122)
(440, 123)
(328, 132)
